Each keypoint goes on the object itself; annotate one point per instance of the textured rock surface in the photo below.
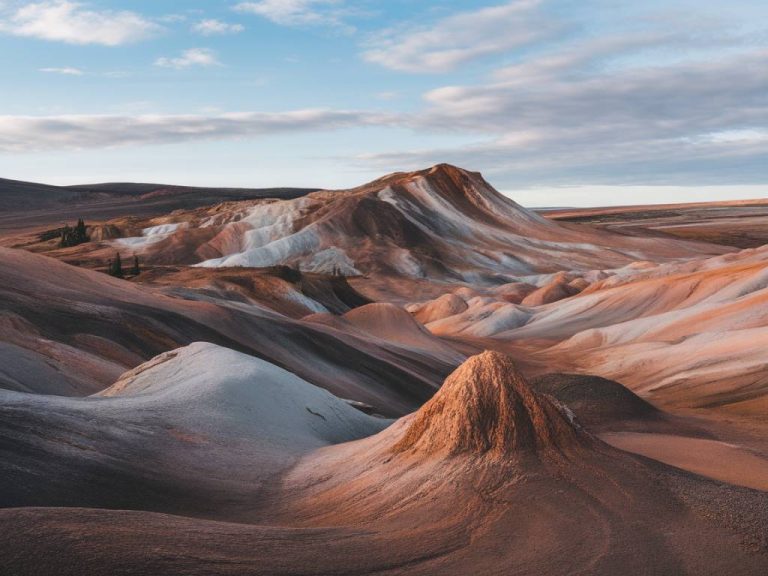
(487, 407)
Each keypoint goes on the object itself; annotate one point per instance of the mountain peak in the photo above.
(486, 407)
(446, 173)
(448, 169)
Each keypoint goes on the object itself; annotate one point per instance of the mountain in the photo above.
(443, 223)
(486, 407)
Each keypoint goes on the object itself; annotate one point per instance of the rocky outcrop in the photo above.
(487, 407)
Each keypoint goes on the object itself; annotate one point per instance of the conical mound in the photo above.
(486, 407)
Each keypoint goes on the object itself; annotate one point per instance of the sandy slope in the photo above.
(200, 430)
(488, 477)
(393, 324)
(688, 334)
(71, 331)
(711, 458)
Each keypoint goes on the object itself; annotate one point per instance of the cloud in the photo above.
(569, 117)
(459, 38)
(216, 27)
(294, 12)
(639, 108)
(667, 100)
(67, 71)
(73, 132)
(573, 116)
(71, 22)
(193, 57)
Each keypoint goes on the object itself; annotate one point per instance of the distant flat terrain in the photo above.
(738, 223)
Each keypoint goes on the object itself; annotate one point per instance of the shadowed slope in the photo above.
(595, 400)
(530, 494)
(29, 204)
(201, 430)
(70, 331)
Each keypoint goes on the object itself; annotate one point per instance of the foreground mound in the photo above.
(200, 430)
(484, 429)
(487, 478)
(207, 383)
(487, 407)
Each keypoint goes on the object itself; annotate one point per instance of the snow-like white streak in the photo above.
(331, 260)
(450, 220)
(404, 262)
(485, 317)
(162, 229)
(279, 251)
(308, 303)
(272, 221)
(150, 235)
(272, 238)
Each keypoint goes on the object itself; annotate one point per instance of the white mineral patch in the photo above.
(331, 260)
(150, 235)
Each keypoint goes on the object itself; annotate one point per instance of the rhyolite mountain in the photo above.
(442, 223)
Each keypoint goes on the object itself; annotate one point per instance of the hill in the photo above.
(26, 205)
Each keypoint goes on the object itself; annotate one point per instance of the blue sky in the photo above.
(557, 102)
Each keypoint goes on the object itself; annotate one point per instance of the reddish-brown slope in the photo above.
(70, 331)
(486, 407)
(443, 223)
(505, 484)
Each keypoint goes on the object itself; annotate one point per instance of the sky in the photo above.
(556, 102)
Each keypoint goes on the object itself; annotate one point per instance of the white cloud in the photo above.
(459, 38)
(214, 27)
(72, 132)
(71, 22)
(294, 12)
(193, 57)
(569, 117)
(742, 136)
(594, 111)
(67, 71)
